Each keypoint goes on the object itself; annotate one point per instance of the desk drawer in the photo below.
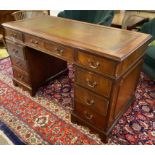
(90, 116)
(96, 63)
(16, 50)
(13, 34)
(34, 41)
(19, 63)
(92, 81)
(90, 100)
(59, 50)
(21, 76)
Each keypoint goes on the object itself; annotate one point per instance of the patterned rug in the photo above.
(45, 119)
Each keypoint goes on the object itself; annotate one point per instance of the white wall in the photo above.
(54, 12)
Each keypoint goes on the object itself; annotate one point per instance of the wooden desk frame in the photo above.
(107, 66)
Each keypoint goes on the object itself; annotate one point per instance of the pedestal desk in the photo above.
(107, 64)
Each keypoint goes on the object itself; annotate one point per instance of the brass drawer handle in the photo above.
(59, 51)
(91, 84)
(15, 50)
(89, 102)
(93, 64)
(21, 77)
(34, 41)
(87, 115)
(18, 63)
(14, 35)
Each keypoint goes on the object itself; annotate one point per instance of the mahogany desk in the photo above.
(107, 64)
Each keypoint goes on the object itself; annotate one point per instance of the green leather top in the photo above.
(102, 17)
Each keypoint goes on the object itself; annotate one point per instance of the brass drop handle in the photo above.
(93, 64)
(15, 50)
(20, 77)
(87, 115)
(34, 41)
(91, 84)
(14, 35)
(89, 102)
(18, 63)
(59, 51)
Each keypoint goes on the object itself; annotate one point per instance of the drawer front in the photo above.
(59, 50)
(21, 76)
(96, 63)
(19, 63)
(92, 81)
(88, 115)
(90, 100)
(13, 34)
(16, 50)
(33, 41)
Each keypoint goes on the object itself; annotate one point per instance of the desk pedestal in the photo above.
(101, 114)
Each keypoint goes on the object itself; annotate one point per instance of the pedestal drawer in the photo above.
(92, 81)
(96, 63)
(13, 34)
(90, 116)
(19, 63)
(16, 50)
(21, 76)
(90, 100)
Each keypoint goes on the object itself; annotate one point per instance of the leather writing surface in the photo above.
(104, 40)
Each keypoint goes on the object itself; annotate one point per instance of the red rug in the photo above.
(45, 119)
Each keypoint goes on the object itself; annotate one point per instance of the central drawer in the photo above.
(92, 81)
(34, 41)
(90, 100)
(59, 50)
(52, 48)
